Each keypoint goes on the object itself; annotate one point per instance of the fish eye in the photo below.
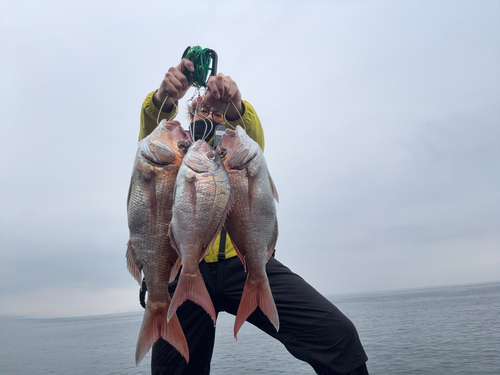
(211, 155)
(222, 152)
(183, 145)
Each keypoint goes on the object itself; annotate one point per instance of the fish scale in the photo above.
(252, 223)
(149, 251)
(201, 203)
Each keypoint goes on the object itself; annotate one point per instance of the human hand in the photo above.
(221, 90)
(175, 85)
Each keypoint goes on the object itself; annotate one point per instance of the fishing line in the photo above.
(162, 104)
(194, 112)
(206, 132)
(239, 114)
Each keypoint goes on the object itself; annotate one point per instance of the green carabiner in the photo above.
(201, 59)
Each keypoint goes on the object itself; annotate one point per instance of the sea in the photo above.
(441, 330)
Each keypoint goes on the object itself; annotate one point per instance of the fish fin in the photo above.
(229, 207)
(131, 264)
(273, 189)
(241, 256)
(129, 194)
(272, 246)
(175, 270)
(154, 326)
(210, 244)
(230, 204)
(172, 240)
(256, 294)
(191, 287)
(227, 210)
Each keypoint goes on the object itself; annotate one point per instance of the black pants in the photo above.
(311, 327)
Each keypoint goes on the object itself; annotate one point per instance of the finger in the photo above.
(215, 84)
(185, 64)
(230, 89)
(211, 101)
(172, 86)
(179, 78)
(212, 88)
(175, 82)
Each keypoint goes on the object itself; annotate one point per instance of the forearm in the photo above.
(149, 115)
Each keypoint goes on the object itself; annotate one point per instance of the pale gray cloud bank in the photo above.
(382, 136)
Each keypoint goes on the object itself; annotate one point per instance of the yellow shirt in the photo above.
(149, 115)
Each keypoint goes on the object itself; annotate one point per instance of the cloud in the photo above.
(381, 123)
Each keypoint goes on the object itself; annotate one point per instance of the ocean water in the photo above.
(446, 330)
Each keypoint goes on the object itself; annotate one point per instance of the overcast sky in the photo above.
(382, 125)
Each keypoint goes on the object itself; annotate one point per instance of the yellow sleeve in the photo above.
(251, 123)
(149, 116)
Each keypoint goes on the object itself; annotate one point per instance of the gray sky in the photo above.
(381, 122)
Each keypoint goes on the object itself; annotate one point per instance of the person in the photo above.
(311, 328)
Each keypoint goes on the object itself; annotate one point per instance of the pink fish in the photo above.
(201, 203)
(149, 250)
(251, 224)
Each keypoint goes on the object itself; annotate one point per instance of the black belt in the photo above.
(142, 293)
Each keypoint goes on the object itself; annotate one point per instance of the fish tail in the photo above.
(154, 326)
(191, 287)
(256, 294)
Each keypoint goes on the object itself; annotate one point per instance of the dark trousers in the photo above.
(311, 327)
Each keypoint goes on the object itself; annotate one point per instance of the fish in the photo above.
(252, 223)
(149, 251)
(201, 202)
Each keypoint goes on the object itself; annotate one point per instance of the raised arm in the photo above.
(173, 87)
(224, 95)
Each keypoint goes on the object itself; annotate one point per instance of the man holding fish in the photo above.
(234, 270)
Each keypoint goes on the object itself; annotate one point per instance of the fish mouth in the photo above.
(244, 165)
(195, 169)
(154, 162)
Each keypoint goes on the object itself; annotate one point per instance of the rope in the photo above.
(201, 60)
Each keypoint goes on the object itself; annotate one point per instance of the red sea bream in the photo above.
(149, 250)
(251, 224)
